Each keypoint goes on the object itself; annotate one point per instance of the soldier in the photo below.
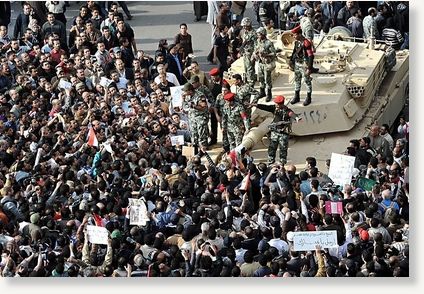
(280, 128)
(247, 49)
(244, 93)
(302, 58)
(265, 55)
(233, 116)
(198, 114)
(215, 86)
(219, 105)
(195, 81)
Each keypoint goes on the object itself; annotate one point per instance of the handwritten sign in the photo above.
(305, 241)
(333, 207)
(105, 82)
(177, 96)
(341, 169)
(64, 85)
(177, 140)
(97, 235)
(138, 212)
(188, 151)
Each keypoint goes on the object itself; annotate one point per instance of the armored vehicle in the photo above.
(358, 84)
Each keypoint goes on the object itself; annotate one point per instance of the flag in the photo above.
(245, 183)
(92, 139)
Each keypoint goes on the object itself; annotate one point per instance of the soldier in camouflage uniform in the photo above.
(302, 58)
(233, 117)
(219, 106)
(265, 54)
(244, 92)
(280, 128)
(198, 114)
(247, 48)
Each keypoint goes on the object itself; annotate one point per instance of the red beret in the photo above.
(229, 96)
(296, 30)
(214, 71)
(279, 99)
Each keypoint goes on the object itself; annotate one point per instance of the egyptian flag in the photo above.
(92, 139)
(245, 183)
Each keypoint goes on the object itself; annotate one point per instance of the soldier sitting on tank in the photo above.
(302, 60)
(280, 128)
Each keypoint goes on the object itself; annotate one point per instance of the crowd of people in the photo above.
(86, 127)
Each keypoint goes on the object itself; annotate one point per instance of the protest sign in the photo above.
(97, 235)
(333, 207)
(304, 241)
(138, 212)
(177, 96)
(177, 140)
(365, 183)
(341, 169)
(188, 151)
(64, 85)
(105, 82)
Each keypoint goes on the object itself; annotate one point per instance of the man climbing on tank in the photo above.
(302, 59)
(280, 128)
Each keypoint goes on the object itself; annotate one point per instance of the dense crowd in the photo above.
(86, 121)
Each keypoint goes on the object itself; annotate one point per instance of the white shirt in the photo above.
(170, 77)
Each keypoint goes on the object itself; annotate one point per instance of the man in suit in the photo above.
(175, 64)
(124, 72)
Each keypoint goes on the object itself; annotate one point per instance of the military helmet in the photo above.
(246, 21)
(261, 31)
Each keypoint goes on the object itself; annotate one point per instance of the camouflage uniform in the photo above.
(244, 93)
(205, 90)
(248, 47)
(300, 66)
(279, 136)
(198, 119)
(219, 105)
(233, 117)
(266, 64)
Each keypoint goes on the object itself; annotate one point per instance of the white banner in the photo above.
(305, 241)
(97, 235)
(341, 169)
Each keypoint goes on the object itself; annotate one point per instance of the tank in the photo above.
(356, 86)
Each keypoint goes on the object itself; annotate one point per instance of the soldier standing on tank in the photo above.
(198, 115)
(244, 92)
(265, 54)
(302, 58)
(233, 117)
(247, 49)
(280, 128)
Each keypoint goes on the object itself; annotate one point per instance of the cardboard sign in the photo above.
(305, 241)
(177, 96)
(332, 207)
(188, 151)
(177, 140)
(341, 169)
(97, 235)
(364, 183)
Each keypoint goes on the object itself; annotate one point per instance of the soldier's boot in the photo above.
(262, 93)
(296, 97)
(268, 95)
(308, 99)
